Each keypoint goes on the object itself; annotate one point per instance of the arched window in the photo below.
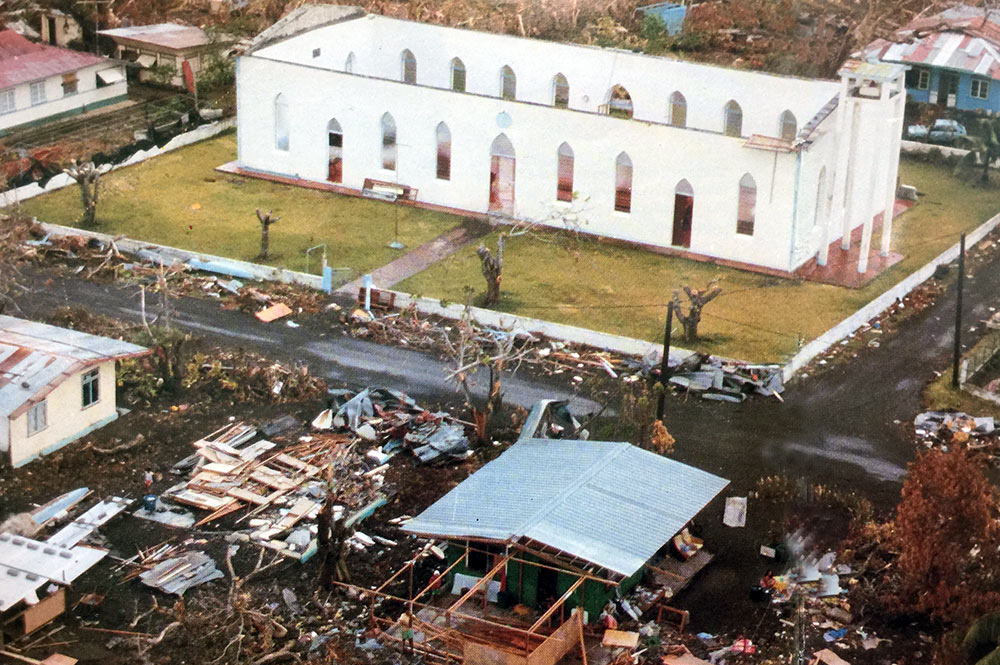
(789, 127)
(564, 170)
(443, 152)
(619, 103)
(457, 75)
(349, 64)
(560, 92)
(409, 66)
(502, 168)
(820, 213)
(623, 183)
(683, 214)
(388, 143)
(748, 204)
(678, 110)
(281, 123)
(733, 119)
(335, 140)
(508, 83)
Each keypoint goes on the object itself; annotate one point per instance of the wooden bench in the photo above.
(380, 299)
(388, 191)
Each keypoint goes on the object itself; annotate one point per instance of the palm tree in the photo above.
(984, 149)
(982, 642)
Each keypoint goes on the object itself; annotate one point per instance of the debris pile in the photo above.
(941, 428)
(715, 379)
(249, 376)
(174, 568)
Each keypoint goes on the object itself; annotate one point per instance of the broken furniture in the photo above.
(384, 190)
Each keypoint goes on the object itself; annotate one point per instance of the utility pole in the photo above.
(97, 18)
(665, 362)
(958, 313)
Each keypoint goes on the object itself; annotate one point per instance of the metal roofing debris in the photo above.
(57, 507)
(22, 61)
(611, 504)
(178, 574)
(167, 35)
(723, 381)
(874, 71)
(25, 561)
(87, 523)
(36, 357)
(304, 19)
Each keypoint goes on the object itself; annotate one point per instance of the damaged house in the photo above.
(743, 168)
(56, 385)
(560, 525)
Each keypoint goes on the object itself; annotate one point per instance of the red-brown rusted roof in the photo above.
(22, 61)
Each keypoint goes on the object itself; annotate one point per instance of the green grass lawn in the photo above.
(178, 199)
(625, 291)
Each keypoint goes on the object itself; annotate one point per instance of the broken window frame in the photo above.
(458, 75)
(678, 110)
(564, 173)
(443, 139)
(623, 183)
(560, 91)
(38, 417)
(732, 122)
(408, 67)
(508, 84)
(90, 385)
(625, 107)
(746, 207)
(788, 126)
(282, 124)
(389, 147)
(70, 84)
(335, 155)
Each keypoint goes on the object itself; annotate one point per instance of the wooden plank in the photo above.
(59, 659)
(299, 509)
(225, 509)
(620, 639)
(44, 611)
(246, 495)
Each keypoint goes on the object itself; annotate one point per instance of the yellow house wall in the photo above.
(67, 419)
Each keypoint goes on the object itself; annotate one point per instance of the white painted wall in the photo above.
(66, 415)
(56, 102)
(316, 90)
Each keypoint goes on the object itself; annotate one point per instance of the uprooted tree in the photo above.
(88, 177)
(492, 271)
(265, 232)
(690, 316)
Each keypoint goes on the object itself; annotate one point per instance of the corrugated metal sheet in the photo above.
(34, 357)
(962, 38)
(611, 504)
(22, 61)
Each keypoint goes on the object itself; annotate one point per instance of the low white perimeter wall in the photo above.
(13, 196)
(887, 298)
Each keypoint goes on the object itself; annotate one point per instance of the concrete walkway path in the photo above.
(422, 257)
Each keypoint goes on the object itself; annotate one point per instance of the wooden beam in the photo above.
(559, 565)
(679, 578)
(549, 612)
(409, 564)
(485, 579)
(440, 578)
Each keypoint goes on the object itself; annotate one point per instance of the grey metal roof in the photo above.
(35, 357)
(609, 503)
(303, 19)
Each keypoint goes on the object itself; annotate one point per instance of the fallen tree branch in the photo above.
(134, 443)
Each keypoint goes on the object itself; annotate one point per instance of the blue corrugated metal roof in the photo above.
(609, 503)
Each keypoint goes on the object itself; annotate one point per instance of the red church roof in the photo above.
(22, 61)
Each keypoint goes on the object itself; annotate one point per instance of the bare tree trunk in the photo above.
(697, 299)
(265, 226)
(492, 271)
(88, 177)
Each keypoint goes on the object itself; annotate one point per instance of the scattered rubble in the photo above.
(942, 428)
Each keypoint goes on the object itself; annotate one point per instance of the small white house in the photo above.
(56, 385)
(59, 28)
(40, 82)
(166, 46)
(745, 168)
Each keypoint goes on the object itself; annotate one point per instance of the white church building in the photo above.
(739, 167)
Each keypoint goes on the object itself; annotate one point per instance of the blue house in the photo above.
(954, 58)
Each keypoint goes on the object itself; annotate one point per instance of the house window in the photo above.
(388, 143)
(564, 185)
(747, 205)
(316, 52)
(349, 63)
(37, 93)
(508, 83)
(623, 183)
(619, 103)
(335, 142)
(733, 119)
(281, 123)
(980, 88)
(409, 65)
(69, 84)
(788, 127)
(678, 110)
(7, 101)
(38, 418)
(918, 78)
(91, 387)
(443, 152)
(560, 92)
(457, 75)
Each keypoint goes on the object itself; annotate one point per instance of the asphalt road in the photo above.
(845, 427)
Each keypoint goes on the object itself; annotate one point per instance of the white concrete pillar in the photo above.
(879, 170)
(851, 204)
(898, 108)
(839, 173)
